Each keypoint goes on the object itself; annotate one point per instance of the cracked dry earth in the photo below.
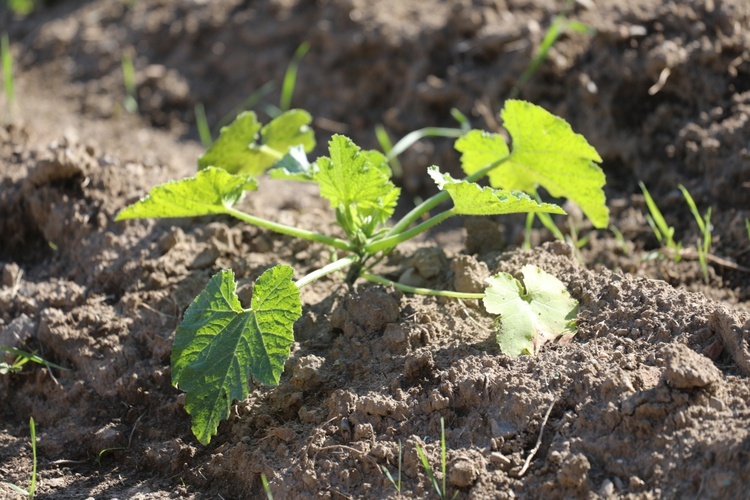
(650, 400)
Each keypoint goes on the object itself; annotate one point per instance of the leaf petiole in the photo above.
(325, 270)
(394, 239)
(438, 198)
(421, 291)
(265, 149)
(289, 230)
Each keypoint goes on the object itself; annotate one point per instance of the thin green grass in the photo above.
(21, 7)
(8, 84)
(23, 357)
(396, 483)
(560, 25)
(128, 76)
(290, 77)
(32, 484)
(440, 487)
(664, 232)
(704, 224)
(204, 131)
(266, 486)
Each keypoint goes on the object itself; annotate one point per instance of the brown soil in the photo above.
(651, 399)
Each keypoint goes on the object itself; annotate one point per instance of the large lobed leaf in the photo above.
(532, 313)
(218, 344)
(244, 147)
(546, 152)
(357, 181)
(210, 191)
(469, 198)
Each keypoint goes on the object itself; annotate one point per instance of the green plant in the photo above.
(32, 483)
(747, 227)
(220, 344)
(290, 78)
(441, 489)
(396, 483)
(560, 25)
(664, 232)
(7, 63)
(128, 76)
(266, 487)
(287, 91)
(22, 357)
(20, 7)
(204, 131)
(703, 245)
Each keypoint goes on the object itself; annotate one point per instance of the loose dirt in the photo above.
(650, 400)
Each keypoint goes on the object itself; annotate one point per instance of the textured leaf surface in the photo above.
(245, 147)
(469, 198)
(546, 152)
(210, 191)
(532, 313)
(218, 344)
(349, 179)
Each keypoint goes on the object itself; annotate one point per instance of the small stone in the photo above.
(636, 483)
(307, 373)
(462, 473)
(574, 471)
(500, 460)
(607, 488)
(469, 274)
(11, 274)
(205, 258)
(171, 239)
(687, 369)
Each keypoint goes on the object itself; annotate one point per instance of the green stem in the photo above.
(289, 230)
(422, 291)
(328, 269)
(409, 139)
(392, 241)
(269, 151)
(440, 197)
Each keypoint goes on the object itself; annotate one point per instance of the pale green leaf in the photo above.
(478, 149)
(210, 191)
(546, 152)
(244, 147)
(469, 198)
(218, 344)
(532, 313)
(352, 183)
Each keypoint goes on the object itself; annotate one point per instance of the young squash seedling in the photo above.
(220, 344)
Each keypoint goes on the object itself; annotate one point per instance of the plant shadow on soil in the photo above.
(650, 400)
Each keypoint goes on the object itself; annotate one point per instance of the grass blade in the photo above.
(693, 208)
(7, 62)
(443, 455)
(266, 487)
(428, 469)
(203, 129)
(290, 77)
(32, 486)
(128, 76)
